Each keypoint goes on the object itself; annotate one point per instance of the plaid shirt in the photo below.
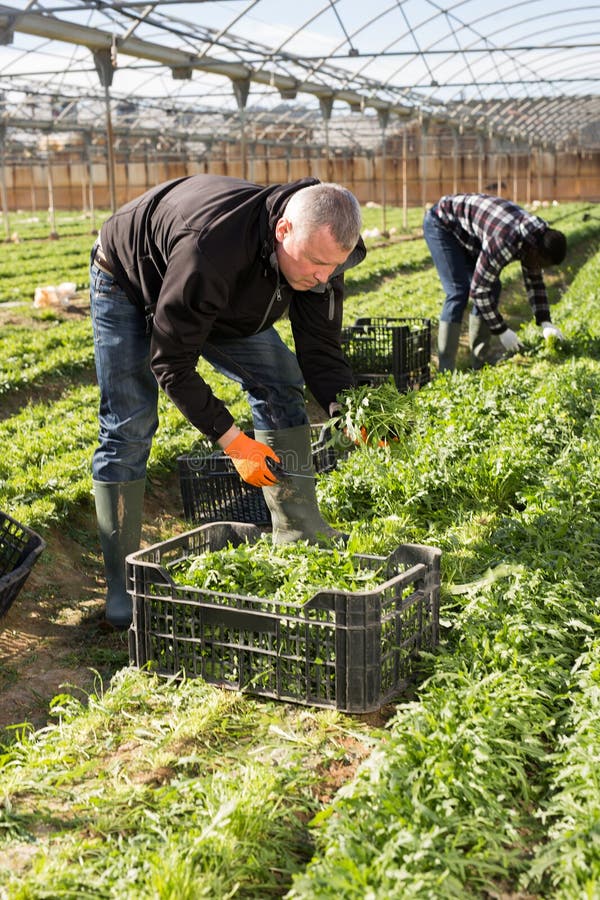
(495, 232)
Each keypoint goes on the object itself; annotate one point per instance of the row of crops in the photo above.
(485, 782)
(41, 477)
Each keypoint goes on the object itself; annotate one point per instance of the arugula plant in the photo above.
(288, 574)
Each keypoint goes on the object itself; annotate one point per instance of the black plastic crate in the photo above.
(379, 347)
(354, 651)
(19, 549)
(212, 490)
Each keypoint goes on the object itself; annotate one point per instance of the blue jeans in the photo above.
(262, 364)
(455, 268)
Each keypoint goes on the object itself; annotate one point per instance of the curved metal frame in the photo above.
(480, 72)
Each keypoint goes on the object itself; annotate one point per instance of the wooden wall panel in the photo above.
(524, 176)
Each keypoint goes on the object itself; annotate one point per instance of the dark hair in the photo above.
(553, 246)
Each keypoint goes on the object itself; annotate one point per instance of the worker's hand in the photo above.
(549, 330)
(510, 341)
(344, 438)
(250, 460)
(384, 440)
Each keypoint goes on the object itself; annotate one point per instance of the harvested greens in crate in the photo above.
(352, 645)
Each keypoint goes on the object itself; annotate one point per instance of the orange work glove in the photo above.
(365, 439)
(250, 460)
(385, 442)
(341, 440)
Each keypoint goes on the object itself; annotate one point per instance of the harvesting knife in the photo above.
(277, 469)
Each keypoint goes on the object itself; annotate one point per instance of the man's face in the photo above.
(305, 262)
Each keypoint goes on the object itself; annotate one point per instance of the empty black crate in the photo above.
(212, 490)
(354, 651)
(379, 347)
(19, 549)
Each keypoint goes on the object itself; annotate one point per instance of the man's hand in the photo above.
(250, 460)
(549, 330)
(510, 341)
(343, 439)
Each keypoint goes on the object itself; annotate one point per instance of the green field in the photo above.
(482, 782)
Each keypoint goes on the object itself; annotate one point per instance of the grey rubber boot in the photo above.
(480, 342)
(293, 501)
(448, 339)
(119, 507)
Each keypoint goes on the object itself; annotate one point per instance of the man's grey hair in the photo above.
(326, 204)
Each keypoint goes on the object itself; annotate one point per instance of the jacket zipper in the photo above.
(276, 297)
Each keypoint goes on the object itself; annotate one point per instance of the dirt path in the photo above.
(52, 639)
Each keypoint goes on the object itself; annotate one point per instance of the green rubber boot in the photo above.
(119, 507)
(480, 342)
(293, 501)
(448, 339)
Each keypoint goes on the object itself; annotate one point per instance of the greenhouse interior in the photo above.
(299, 519)
(101, 100)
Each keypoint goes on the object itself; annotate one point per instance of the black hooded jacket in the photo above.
(198, 253)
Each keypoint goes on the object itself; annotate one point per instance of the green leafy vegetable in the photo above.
(288, 574)
(380, 413)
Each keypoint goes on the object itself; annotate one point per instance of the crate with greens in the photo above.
(295, 622)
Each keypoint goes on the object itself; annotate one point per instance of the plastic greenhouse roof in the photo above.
(337, 71)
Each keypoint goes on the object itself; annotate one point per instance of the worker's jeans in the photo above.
(455, 268)
(261, 363)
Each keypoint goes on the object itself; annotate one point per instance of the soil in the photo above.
(54, 639)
